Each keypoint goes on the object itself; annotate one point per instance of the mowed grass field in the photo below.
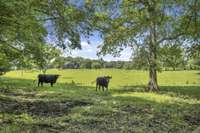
(73, 105)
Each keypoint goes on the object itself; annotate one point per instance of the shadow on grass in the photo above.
(29, 83)
(60, 99)
(198, 73)
(133, 88)
(39, 107)
(76, 91)
(19, 96)
(191, 91)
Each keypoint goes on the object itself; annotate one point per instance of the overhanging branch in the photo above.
(5, 42)
(171, 37)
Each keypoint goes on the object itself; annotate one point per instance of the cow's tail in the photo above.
(34, 81)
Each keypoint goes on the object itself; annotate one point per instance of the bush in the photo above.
(96, 65)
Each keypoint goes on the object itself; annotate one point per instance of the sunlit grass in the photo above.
(120, 77)
(159, 98)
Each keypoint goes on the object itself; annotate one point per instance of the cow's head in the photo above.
(108, 77)
(57, 75)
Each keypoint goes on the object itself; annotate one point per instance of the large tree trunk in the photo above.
(152, 85)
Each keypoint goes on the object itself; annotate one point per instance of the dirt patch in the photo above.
(24, 94)
(137, 110)
(8, 91)
(34, 128)
(39, 107)
(5, 90)
(192, 119)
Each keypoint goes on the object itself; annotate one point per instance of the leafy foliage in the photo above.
(172, 55)
(149, 24)
(24, 28)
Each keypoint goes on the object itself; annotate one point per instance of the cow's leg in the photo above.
(99, 87)
(41, 83)
(96, 86)
(38, 83)
(103, 88)
(106, 88)
(51, 84)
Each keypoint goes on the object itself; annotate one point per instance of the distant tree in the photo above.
(71, 65)
(194, 56)
(78, 59)
(128, 65)
(59, 62)
(140, 58)
(86, 64)
(96, 65)
(110, 64)
(119, 64)
(197, 62)
(172, 55)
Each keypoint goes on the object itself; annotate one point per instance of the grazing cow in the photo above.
(47, 78)
(102, 82)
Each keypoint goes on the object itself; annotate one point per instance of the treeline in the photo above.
(170, 57)
(134, 64)
(83, 63)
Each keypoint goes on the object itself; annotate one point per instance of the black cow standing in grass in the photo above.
(102, 82)
(47, 78)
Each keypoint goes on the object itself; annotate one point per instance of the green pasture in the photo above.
(73, 105)
(120, 77)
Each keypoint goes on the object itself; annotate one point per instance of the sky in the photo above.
(89, 50)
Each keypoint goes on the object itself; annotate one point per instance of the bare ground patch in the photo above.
(192, 119)
(39, 107)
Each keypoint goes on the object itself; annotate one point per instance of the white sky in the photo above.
(90, 51)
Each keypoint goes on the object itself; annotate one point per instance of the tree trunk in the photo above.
(152, 85)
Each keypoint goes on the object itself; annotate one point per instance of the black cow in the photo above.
(102, 82)
(47, 78)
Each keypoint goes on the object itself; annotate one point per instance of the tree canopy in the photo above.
(24, 27)
(147, 23)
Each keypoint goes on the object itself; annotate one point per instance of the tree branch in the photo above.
(171, 37)
(5, 42)
(42, 11)
(49, 18)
